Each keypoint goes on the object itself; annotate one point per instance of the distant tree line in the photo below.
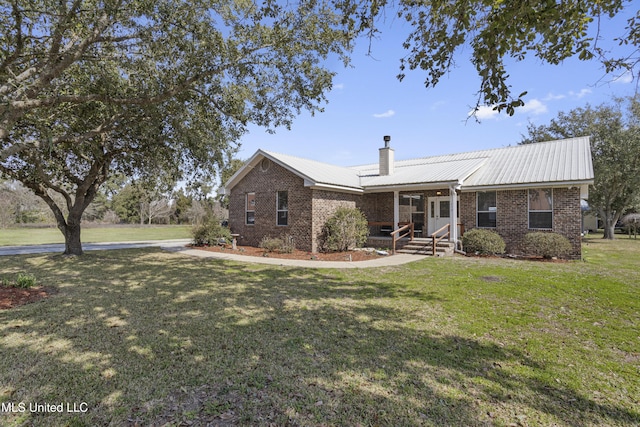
(124, 202)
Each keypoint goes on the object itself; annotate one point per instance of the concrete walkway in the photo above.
(383, 261)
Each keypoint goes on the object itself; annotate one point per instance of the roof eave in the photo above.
(331, 187)
(253, 162)
(552, 184)
(410, 187)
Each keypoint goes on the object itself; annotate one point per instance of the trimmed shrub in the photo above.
(283, 245)
(210, 233)
(271, 244)
(346, 229)
(484, 242)
(288, 246)
(546, 245)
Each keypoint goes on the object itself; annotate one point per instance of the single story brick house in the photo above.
(512, 190)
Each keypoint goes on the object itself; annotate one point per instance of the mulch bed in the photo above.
(296, 254)
(12, 297)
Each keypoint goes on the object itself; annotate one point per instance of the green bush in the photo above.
(546, 245)
(282, 244)
(271, 244)
(484, 242)
(288, 245)
(210, 233)
(25, 281)
(346, 229)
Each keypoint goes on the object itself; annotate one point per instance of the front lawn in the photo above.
(147, 337)
(94, 234)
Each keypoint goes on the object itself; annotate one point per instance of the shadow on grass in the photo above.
(147, 337)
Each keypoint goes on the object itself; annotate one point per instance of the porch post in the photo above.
(453, 215)
(396, 209)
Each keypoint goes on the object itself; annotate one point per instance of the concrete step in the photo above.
(424, 247)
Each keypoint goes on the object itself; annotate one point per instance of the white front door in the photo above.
(439, 213)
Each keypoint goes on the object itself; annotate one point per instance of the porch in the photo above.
(416, 217)
(405, 239)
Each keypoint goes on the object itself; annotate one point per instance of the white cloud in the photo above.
(386, 114)
(338, 86)
(581, 94)
(553, 97)
(437, 105)
(485, 112)
(624, 78)
(534, 107)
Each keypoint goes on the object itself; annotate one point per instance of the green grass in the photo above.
(159, 338)
(37, 236)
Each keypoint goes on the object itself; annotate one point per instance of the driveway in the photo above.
(59, 247)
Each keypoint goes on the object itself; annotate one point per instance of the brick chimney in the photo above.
(386, 158)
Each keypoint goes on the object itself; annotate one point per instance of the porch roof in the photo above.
(426, 173)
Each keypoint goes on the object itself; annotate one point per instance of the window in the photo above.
(282, 208)
(541, 208)
(250, 209)
(412, 210)
(486, 209)
(445, 208)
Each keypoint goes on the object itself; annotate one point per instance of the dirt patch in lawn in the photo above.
(12, 297)
(356, 255)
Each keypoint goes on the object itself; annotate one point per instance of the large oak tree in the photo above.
(157, 88)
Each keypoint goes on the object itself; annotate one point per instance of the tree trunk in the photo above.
(609, 232)
(71, 232)
(609, 225)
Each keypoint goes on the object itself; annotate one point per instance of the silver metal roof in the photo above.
(410, 174)
(317, 172)
(560, 162)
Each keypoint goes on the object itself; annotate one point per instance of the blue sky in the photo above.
(368, 102)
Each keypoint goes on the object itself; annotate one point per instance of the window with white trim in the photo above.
(250, 209)
(486, 209)
(282, 208)
(541, 208)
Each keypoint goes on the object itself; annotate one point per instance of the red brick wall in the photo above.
(265, 185)
(513, 216)
(377, 207)
(468, 210)
(324, 204)
(567, 217)
(304, 227)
